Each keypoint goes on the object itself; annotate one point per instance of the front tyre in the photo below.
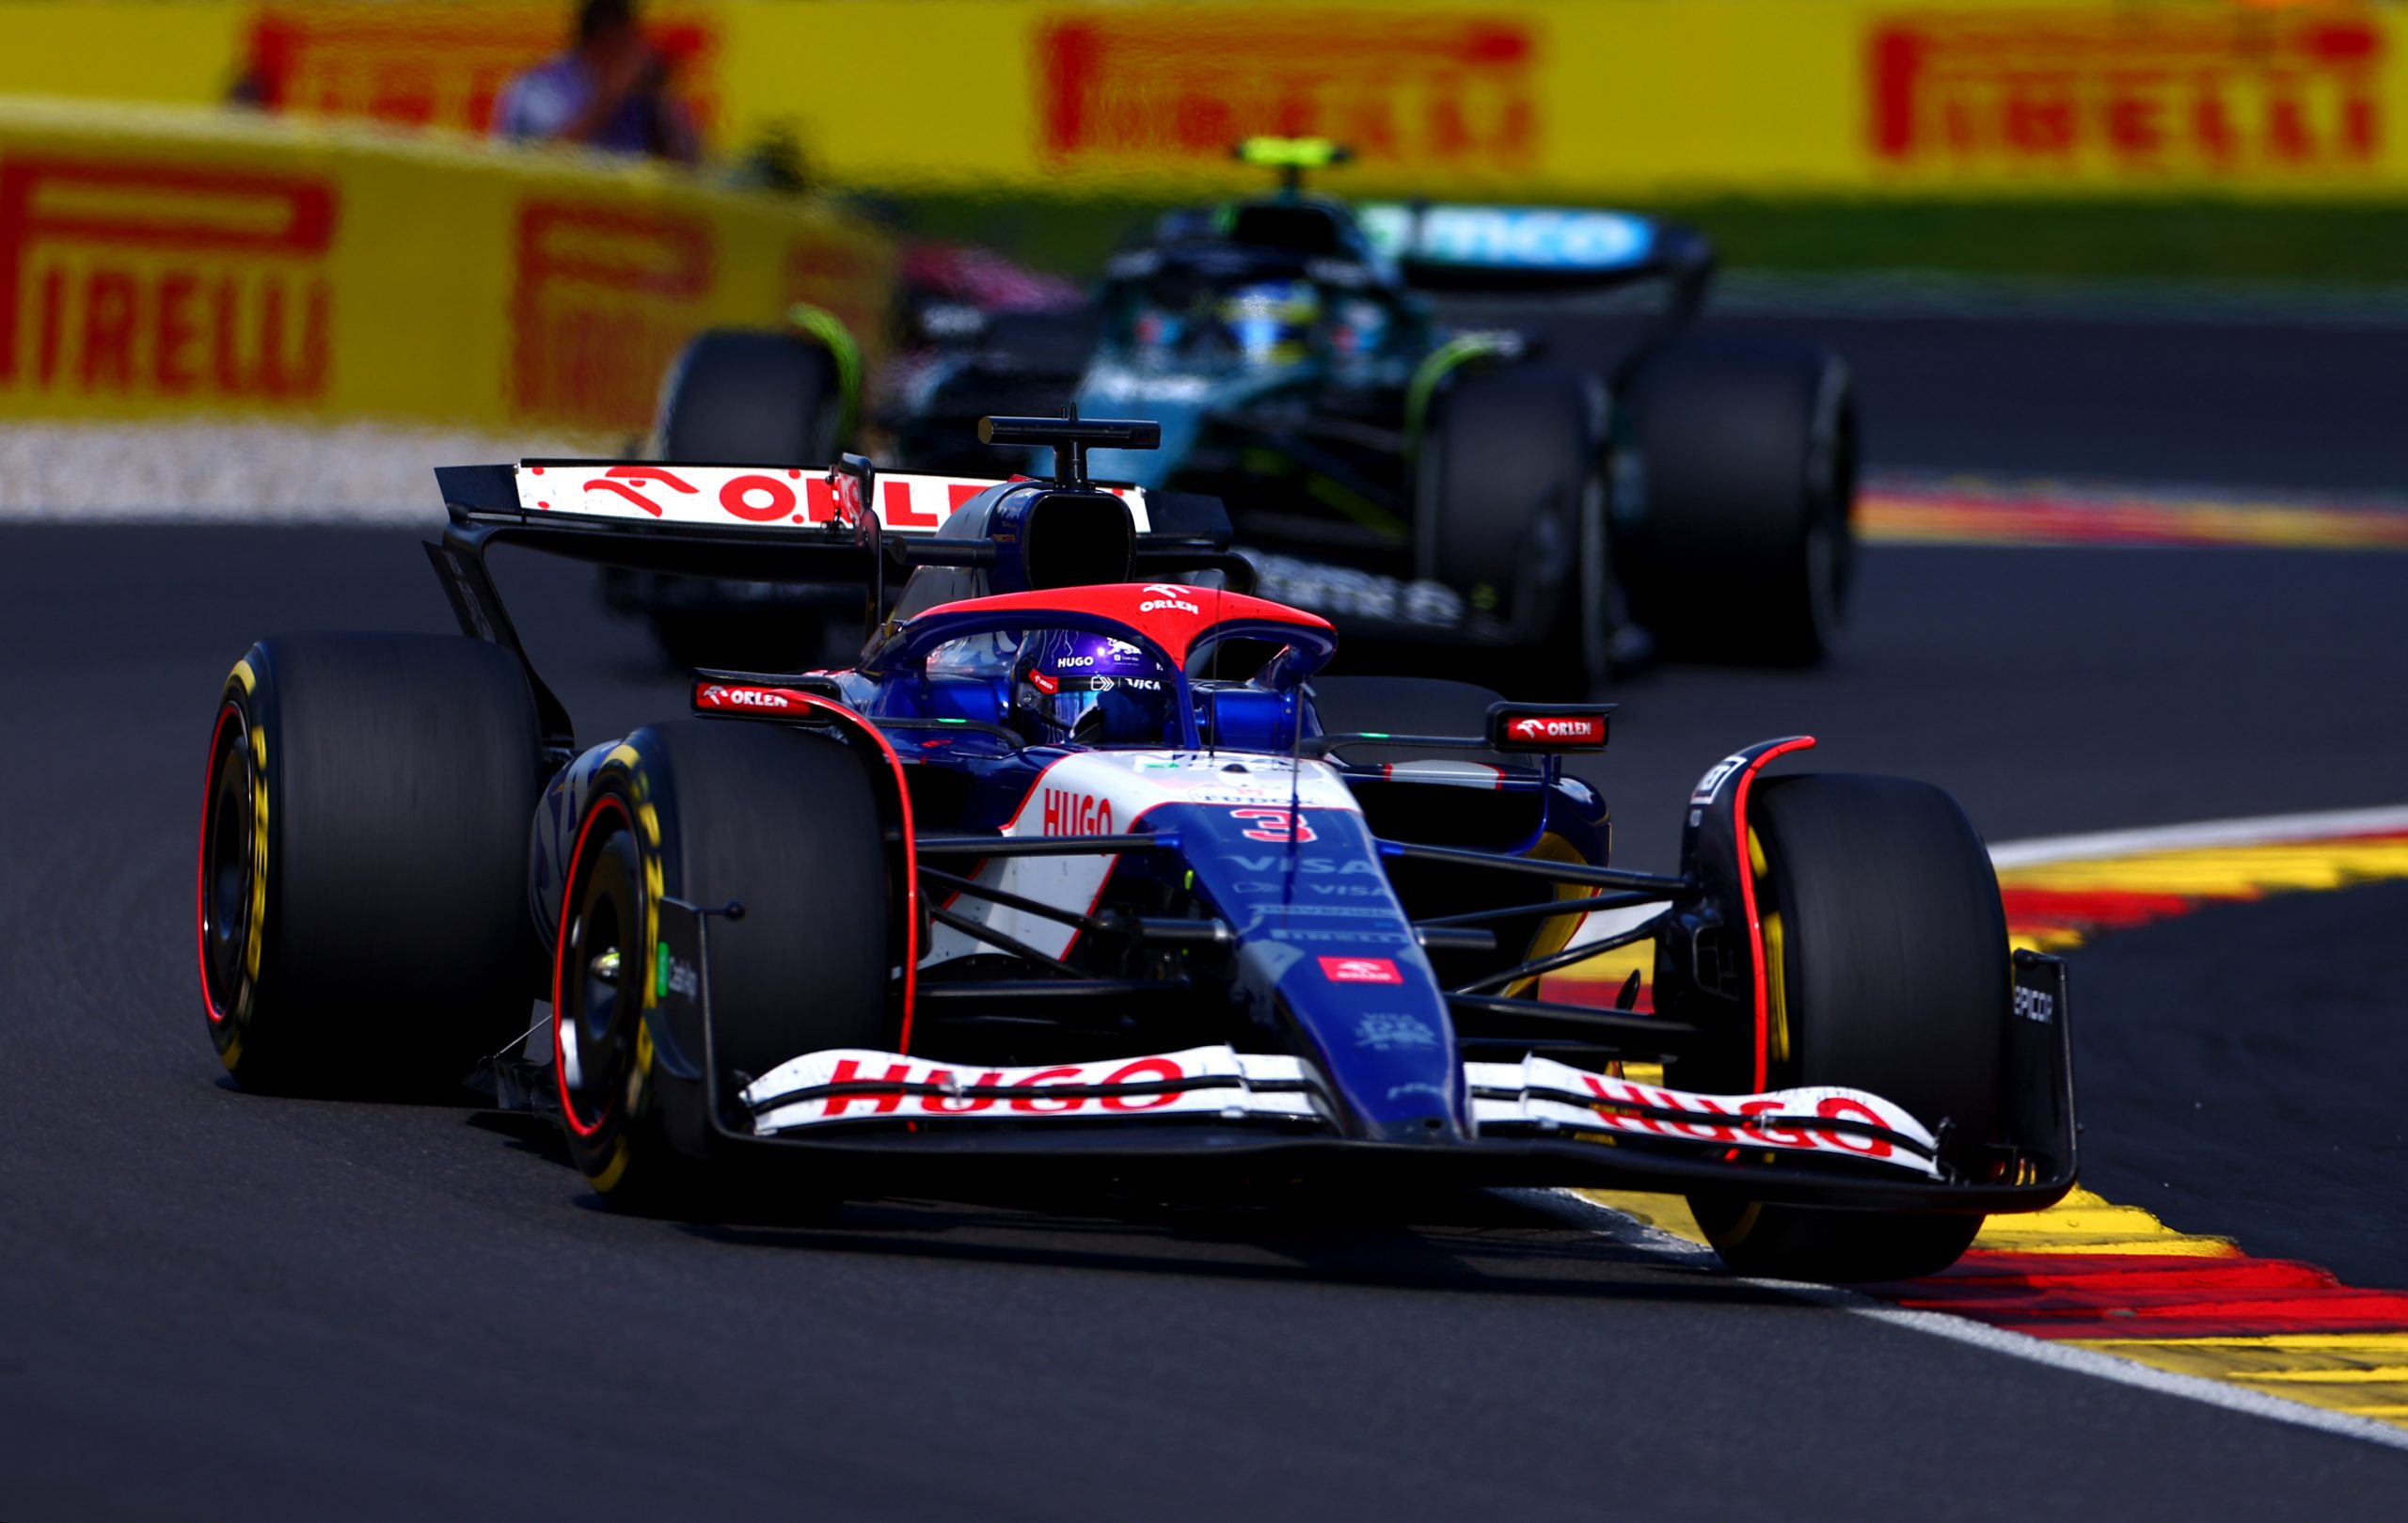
(363, 895)
(1888, 970)
(783, 824)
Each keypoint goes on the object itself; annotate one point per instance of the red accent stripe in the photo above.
(2132, 1295)
(200, 864)
(559, 955)
(2103, 908)
(1747, 900)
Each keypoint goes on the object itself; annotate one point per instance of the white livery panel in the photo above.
(641, 491)
(1537, 1096)
(1102, 793)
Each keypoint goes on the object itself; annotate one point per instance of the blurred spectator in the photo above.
(609, 91)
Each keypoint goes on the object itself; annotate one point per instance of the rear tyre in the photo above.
(1511, 513)
(363, 914)
(746, 396)
(785, 824)
(1734, 481)
(1888, 967)
(740, 396)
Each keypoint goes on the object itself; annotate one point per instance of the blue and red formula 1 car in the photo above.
(1088, 868)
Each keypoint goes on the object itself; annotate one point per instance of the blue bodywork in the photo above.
(1326, 965)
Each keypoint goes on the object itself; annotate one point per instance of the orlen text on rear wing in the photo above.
(848, 525)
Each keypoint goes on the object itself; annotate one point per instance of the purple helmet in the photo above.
(1093, 689)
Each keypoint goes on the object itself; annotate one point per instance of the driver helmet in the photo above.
(1091, 690)
(1271, 322)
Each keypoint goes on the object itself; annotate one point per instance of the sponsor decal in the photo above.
(1309, 866)
(1360, 970)
(1286, 826)
(1715, 775)
(1585, 729)
(733, 494)
(1168, 600)
(2036, 1004)
(165, 280)
(670, 976)
(1549, 1096)
(602, 298)
(440, 65)
(1385, 1031)
(2196, 89)
(1066, 812)
(1168, 88)
(1323, 938)
(1510, 237)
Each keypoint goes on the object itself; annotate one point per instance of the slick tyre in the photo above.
(363, 918)
(1509, 509)
(782, 824)
(742, 396)
(747, 397)
(1888, 970)
(1733, 484)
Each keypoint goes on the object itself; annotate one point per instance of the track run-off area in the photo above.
(214, 1304)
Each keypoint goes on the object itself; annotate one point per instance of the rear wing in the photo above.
(847, 525)
(1544, 247)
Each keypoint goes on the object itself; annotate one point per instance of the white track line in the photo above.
(1607, 1222)
(2264, 830)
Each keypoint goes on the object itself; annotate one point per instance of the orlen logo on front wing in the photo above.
(1360, 970)
(716, 696)
(164, 280)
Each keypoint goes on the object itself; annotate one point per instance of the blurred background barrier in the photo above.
(157, 263)
(1571, 98)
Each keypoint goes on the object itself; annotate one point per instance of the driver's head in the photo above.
(1271, 322)
(1091, 690)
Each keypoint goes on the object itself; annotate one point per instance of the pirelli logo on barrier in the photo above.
(603, 297)
(1172, 88)
(126, 279)
(443, 65)
(2199, 91)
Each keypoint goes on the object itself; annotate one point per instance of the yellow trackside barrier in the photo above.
(161, 261)
(1580, 99)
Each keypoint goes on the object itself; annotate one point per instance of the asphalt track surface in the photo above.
(217, 1304)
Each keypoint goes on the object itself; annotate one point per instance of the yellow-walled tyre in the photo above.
(362, 886)
(783, 824)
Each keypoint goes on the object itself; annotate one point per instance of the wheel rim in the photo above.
(598, 992)
(228, 863)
